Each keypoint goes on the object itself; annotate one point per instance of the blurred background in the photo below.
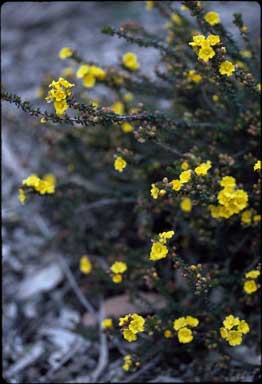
(37, 319)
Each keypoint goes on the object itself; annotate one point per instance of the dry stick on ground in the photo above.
(75, 287)
(103, 353)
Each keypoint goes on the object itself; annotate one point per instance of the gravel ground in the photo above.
(39, 342)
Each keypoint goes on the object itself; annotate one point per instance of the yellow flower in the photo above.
(118, 267)
(117, 279)
(158, 251)
(107, 323)
(215, 98)
(185, 176)
(118, 108)
(234, 338)
(228, 182)
(65, 53)
(60, 107)
(243, 327)
(43, 120)
(250, 286)
(176, 185)
(205, 53)
(185, 165)
(127, 363)
(32, 181)
(186, 205)
(85, 265)
(224, 333)
(149, 5)
(21, 196)
(164, 236)
(123, 321)
(184, 8)
(129, 61)
(192, 321)
(176, 19)
(257, 166)
(179, 323)
(137, 324)
(197, 41)
(259, 87)
(127, 127)
(119, 164)
(89, 80)
(185, 335)
(129, 335)
(252, 274)
(244, 28)
(168, 333)
(212, 18)
(83, 70)
(154, 191)
(230, 321)
(97, 72)
(246, 217)
(213, 39)
(202, 169)
(195, 77)
(226, 68)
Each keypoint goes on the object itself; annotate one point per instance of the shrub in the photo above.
(162, 205)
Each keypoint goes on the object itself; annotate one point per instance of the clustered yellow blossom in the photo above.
(131, 325)
(65, 53)
(85, 265)
(118, 268)
(231, 200)
(42, 186)
(257, 166)
(164, 236)
(203, 168)
(250, 285)
(90, 74)
(182, 325)
(58, 94)
(247, 217)
(233, 330)
(159, 250)
(107, 323)
(203, 46)
(193, 76)
(130, 61)
(119, 164)
(226, 68)
(212, 18)
(127, 363)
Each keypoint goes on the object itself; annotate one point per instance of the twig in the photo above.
(103, 352)
(75, 287)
